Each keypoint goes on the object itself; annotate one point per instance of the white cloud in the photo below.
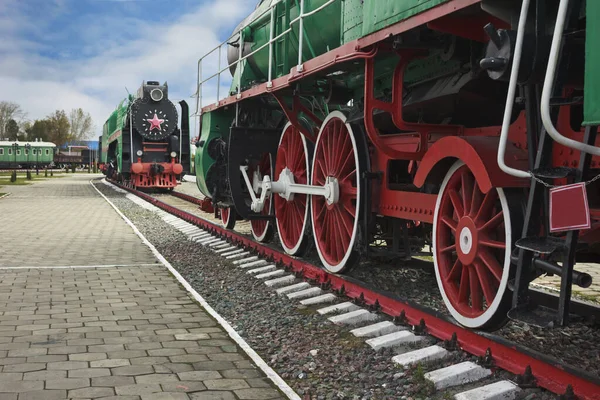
(117, 53)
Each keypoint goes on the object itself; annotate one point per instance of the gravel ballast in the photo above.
(318, 359)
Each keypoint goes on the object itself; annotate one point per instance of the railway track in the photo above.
(387, 319)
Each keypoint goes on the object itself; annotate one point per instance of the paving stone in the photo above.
(165, 396)
(191, 336)
(166, 352)
(183, 386)
(242, 373)
(137, 389)
(20, 386)
(156, 378)
(42, 375)
(116, 362)
(211, 395)
(113, 381)
(91, 392)
(23, 367)
(257, 394)
(199, 375)
(67, 383)
(89, 372)
(43, 395)
(189, 358)
(225, 384)
(132, 370)
(213, 365)
(67, 365)
(172, 368)
(148, 360)
(87, 356)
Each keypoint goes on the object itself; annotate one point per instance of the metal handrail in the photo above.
(272, 39)
(549, 86)
(510, 98)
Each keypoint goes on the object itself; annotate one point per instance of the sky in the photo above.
(65, 54)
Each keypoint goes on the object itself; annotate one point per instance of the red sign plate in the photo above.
(569, 208)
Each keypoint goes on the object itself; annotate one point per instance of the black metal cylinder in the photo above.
(581, 279)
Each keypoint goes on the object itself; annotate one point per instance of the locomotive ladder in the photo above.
(532, 250)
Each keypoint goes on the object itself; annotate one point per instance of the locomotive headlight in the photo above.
(140, 153)
(173, 154)
(156, 94)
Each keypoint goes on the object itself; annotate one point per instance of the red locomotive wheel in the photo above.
(228, 218)
(262, 229)
(335, 221)
(292, 215)
(471, 249)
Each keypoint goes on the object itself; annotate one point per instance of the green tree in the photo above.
(8, 111)
(81, 124)
(40, 129)
(59, 128)
(12, 130)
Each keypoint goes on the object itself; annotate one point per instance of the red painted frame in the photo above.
(551, 376)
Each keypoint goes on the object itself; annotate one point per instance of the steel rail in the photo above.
(549, 373)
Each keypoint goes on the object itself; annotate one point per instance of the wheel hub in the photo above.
(467, 240)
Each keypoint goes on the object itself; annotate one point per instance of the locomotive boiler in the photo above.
(142, 143)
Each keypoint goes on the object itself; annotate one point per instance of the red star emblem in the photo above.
(155, 122)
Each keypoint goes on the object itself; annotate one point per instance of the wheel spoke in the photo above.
(452, 224)
(491, 263)
(486, 207)
(452, 247)
(484, 282)
(494, 222)
(456, 202)
(454, 272)
(463, 291)
(476, 300)
(485, 241)
(466, 191)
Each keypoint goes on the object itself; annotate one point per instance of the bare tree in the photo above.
(9, 111)
(81, 124)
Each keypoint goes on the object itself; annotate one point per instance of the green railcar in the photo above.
(16, 154)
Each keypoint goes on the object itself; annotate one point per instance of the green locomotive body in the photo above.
(16, 154)
(142, 144)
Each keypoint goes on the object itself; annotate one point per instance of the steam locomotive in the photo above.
(142, 145)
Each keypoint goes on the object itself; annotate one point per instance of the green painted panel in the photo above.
(378, 14)
(215, 125)
(352, 19)
(591, 107)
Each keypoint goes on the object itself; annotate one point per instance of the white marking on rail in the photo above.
(458, 374)
(292, 288)
(378, 329)
(231, 253)
(271, 274)
(304, 294)
(345, 307)
(502, 390)
(209, 241)
(354, 317)
(394, 339)
(324, 298)
(224, 250)
(223, 247)
(424, 355)
(275, 378)
(261, 269)
(238, 255)
(245, 260)
(200, 236)
(257, 263)
(218, 243)
(284, 280)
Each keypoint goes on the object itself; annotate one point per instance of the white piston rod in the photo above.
(286, 187)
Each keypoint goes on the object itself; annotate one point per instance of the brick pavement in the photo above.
(128, 332)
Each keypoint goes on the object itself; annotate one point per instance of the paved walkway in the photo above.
(126, 332)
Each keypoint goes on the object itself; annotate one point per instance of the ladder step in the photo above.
(555, 172)
(541, 245)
